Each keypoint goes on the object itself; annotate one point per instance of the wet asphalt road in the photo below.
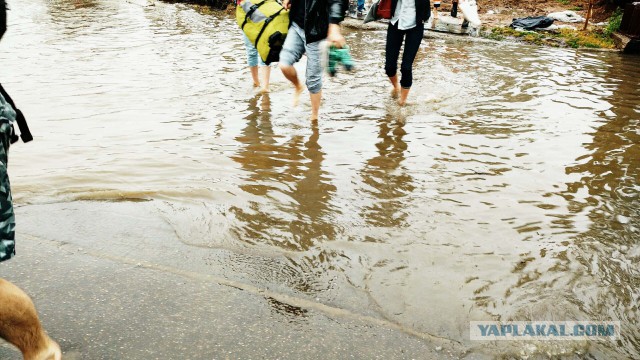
(105, 302)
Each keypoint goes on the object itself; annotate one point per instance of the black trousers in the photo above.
(412, 39)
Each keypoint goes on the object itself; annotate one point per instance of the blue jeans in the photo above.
(294, 47)
(253, 58)
(360, 5)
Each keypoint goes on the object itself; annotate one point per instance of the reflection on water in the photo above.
(386, 179)
(507, 189)
(290, 175)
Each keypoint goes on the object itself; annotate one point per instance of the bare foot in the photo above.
(395, 92)
(256, 85)
(263, 90)
(313, 117)
(404, 93)
(296, 95)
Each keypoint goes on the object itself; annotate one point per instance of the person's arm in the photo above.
(337, 9)
(285, 4)
(336, 15)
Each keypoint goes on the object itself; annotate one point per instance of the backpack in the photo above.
(265, 22)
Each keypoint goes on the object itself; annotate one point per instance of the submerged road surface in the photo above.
(166, 210)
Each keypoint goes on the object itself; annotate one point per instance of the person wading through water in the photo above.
(311, 22)
(407, 24)
(19, 323)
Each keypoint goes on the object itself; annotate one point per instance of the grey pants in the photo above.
(295, 45)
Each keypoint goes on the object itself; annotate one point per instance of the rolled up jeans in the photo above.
(253, 57)
(294, 47)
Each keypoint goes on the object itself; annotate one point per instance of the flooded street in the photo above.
(508, 189)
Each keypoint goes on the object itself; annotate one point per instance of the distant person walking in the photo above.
(406, 25)
(311, 22)
(436, 9)
(253, 60)
(19, 324)
(360, 9)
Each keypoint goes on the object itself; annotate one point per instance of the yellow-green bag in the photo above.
(265, 22)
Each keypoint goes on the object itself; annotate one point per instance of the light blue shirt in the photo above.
(405, 15)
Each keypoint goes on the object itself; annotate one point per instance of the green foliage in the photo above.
(586, 39)
(563, 38)
(564, 2)
(495, 34)
(614, 22)
(501, 33)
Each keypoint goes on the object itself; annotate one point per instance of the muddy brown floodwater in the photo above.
(508, 189)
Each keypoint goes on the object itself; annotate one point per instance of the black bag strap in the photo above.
(3, 18)
(252, 9)
(266, 23)
(25, 134)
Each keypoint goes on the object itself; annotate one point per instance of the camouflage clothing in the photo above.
(7, 219)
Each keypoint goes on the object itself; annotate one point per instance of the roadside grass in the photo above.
(593, 38)
(614, 22)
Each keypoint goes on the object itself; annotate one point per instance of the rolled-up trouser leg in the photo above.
(253, 57)
(293, 47)
(412, 42)
(314, 67)
(392, 49)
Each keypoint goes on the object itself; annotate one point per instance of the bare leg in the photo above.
(315, 105)
(396, 86)
(290, 73)
(266, 74)
(254, 75)
(404, 93)
(19, 325)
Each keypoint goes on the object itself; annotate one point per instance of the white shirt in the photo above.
(405, 15)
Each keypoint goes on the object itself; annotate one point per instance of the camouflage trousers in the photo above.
(7, 219)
